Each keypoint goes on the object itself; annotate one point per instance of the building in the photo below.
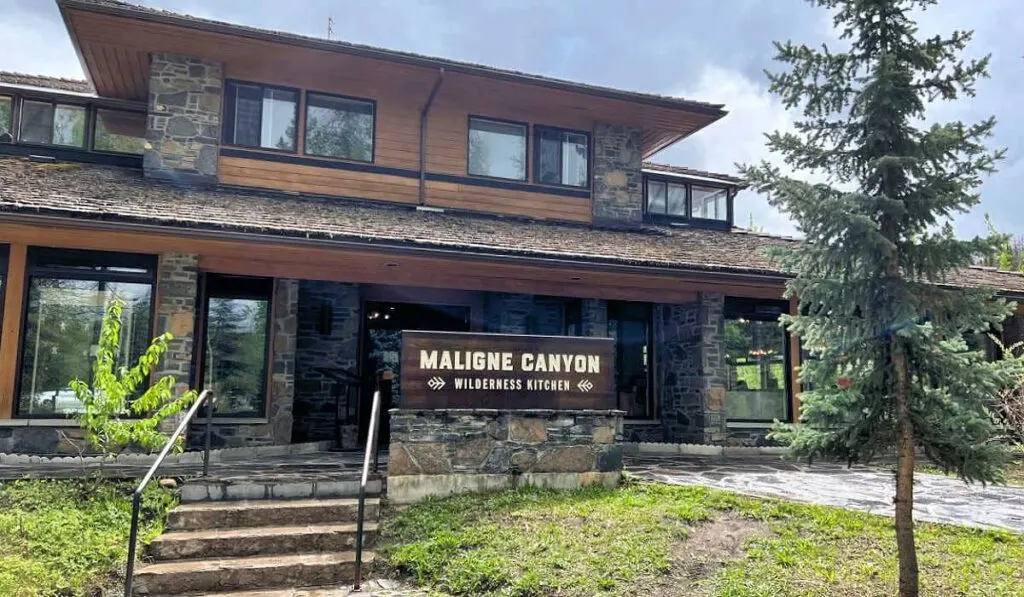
(285, 206)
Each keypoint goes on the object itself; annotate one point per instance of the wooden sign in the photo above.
(467, 370)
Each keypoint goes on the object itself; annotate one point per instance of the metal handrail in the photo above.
(133, 535)
(371, 456)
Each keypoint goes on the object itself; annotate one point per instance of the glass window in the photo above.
(50, 124)
(68, 294)
(562, 157)
(630, 325)
(121, 132)
(235, 344)
(6, 119)
(709, 203)
(497, 149)
(666, 198)
(756, 357)
(656, 191)
(676, 204)
(339, 127)
(260, 116)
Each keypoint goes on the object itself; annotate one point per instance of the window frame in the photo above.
(665, 217)
(228, 115)
(526, 147)
(653, 403)
(537, 130)
(199, 355)
(747, 308)
(373, 128)
(54, 103)
(94, 112)
(70, 272)
(13, 117)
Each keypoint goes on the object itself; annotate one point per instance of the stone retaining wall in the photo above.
(439, 452)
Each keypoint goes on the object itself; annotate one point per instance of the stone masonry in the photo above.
(183, 127)
(618, 182)
(328, 337)
(443, 451)
(595, 318)
(177, 289)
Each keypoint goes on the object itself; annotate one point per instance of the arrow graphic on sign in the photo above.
(585, 385)
(435, 383)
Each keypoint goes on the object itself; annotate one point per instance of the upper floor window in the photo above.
(562, 157)
(709, 203)
(260, 116)
(118, 131)
(666, 198)
(6, 119)
(497, 149)
(52, 124)
(685, 200)
(339, 127)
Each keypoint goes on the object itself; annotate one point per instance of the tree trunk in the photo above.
(906, 548)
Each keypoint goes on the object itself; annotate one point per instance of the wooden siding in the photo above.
(10, 333)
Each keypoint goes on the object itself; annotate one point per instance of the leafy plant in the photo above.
(114, 413)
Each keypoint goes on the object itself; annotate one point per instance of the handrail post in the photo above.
(371, 441)
(133, 538)
(206, 441)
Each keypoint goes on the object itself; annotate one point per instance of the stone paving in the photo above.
(937, 498)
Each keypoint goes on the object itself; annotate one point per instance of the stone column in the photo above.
(282, 379)
(183, 127)
(595, 318)
(176, 293)
(618, 180)
(507, 313)
(679, 362)
(713, 365)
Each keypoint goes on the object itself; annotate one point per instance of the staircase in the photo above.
(287, 538)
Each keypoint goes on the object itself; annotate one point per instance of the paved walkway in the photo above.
(937, 498)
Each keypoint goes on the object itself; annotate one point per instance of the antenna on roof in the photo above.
(330, 27)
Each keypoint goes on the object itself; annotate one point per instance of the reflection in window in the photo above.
(235, 349)
(709, 203)
(339, 127)
(630, 325)
(562, 157)
(756, 359)
(260, 116)
(121, 132)
(497, 149)
(665, 198)
(49, 124)
(6, 119)
(68, 294)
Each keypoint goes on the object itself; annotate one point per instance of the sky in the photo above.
(709, 50)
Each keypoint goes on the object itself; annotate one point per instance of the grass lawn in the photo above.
(650, 539)
(70, 537)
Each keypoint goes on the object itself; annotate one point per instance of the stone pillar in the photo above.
(282, 379)
(328, 337)
(507, 313)
(595, 318)
(713, 366)
(177, 289)
(183, 127)
(618, 181)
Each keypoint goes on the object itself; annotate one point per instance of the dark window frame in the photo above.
(725, 224)
(79, 271)
(770, 311)
(537, 130)
(13, 119)
(526, 147)
(653, 404)
(228, 115)
(305, 122)
(242, 287)
(87, 131)
(5, 253)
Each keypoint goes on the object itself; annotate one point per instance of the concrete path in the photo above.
(937, 498)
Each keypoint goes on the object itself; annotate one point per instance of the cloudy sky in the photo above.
(712, 50)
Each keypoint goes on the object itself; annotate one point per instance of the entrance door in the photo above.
(383, 323)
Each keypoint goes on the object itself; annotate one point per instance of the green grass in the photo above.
(70, 537)
(628, 541)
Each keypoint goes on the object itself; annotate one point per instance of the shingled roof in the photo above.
(44, 82)
(123, 195)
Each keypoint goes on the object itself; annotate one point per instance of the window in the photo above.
(68, 294)
(121, 132)
(630, 325)
(339, 127)
(497, 149)
(666, 198)
(709, 203)
(6, 119)
(236, 338)
(52, 124)
(562, 157)
(756, 355)
(260, 116)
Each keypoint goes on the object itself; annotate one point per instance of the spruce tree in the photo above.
(872, 279)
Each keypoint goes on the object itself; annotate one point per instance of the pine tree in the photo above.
(873, 306)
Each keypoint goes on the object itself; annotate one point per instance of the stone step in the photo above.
(204, 577)
(201, 516)
(255, 541)
(205, 489)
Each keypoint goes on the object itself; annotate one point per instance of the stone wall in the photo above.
(595, 318)
(176, 293)
(183, 126)
(328, 337)
(749, 436)
(618, 181)
(507, 313)
(437, 452)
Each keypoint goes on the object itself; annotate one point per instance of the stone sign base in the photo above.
(440, 452)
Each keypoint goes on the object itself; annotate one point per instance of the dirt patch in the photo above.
(698, 556)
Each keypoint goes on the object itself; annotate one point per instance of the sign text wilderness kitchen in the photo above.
(466, 370)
